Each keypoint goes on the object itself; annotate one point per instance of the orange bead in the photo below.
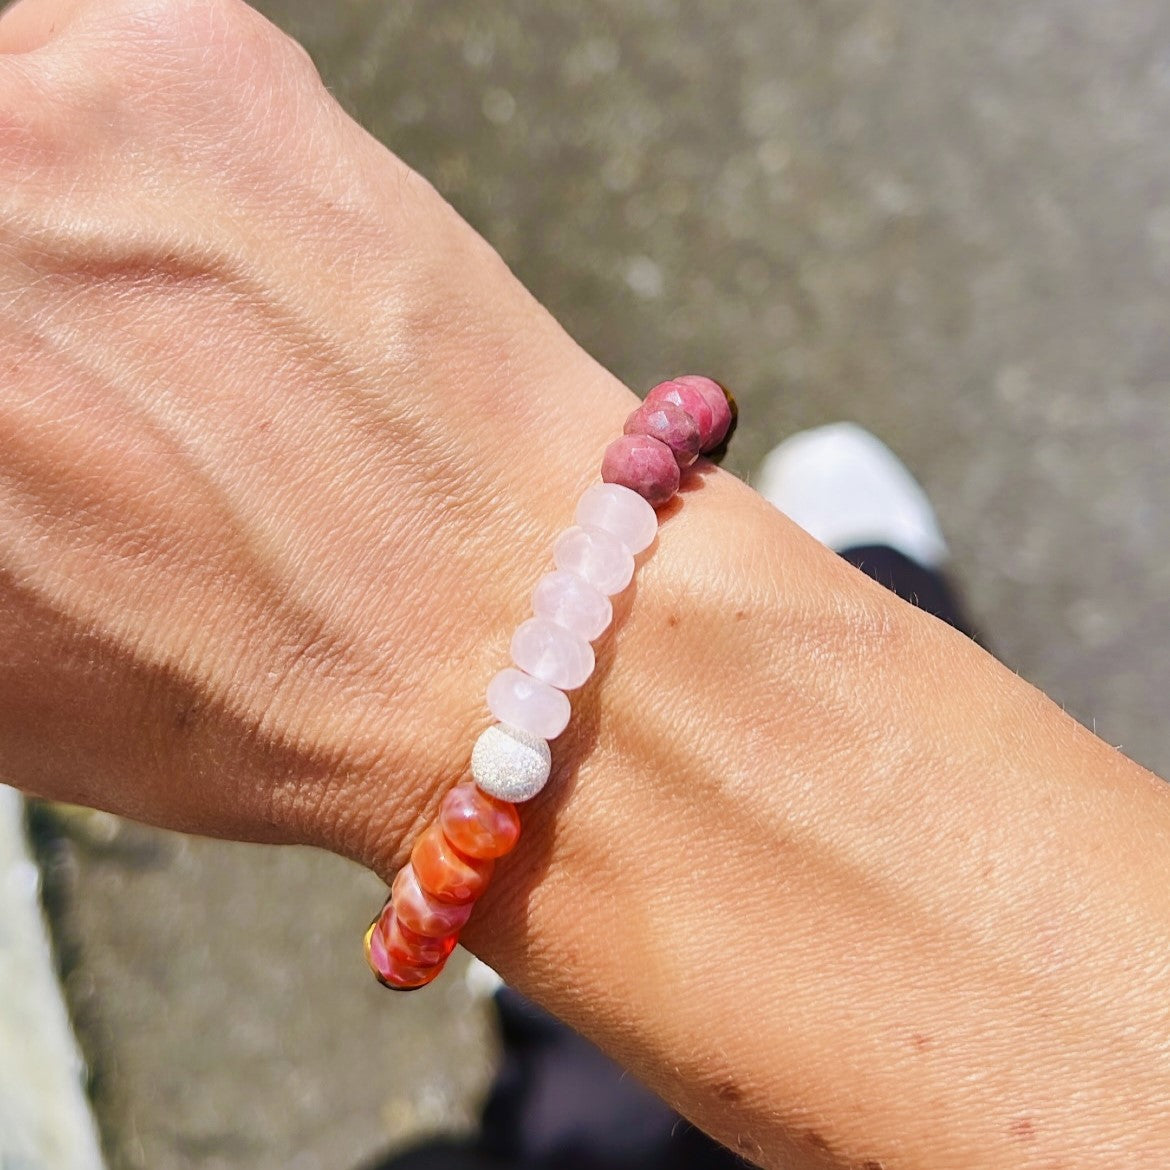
(423, 914)
(410, 949)
(477, 824)
(390, 971)
(444, 872)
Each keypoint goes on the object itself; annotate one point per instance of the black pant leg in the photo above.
(928, 589)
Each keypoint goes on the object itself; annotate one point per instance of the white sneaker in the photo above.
(848, 489)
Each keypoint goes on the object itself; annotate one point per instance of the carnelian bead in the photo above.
(477, 824)
(413, 950)
(444, 872)
(392, 973)
(403, 978)
(423, 914)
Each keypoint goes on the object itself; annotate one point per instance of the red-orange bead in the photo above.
(406, 947)
(444, 872)
(420, 912)
(390, 971)
(477, 824)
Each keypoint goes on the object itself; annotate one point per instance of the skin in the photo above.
(285, 448)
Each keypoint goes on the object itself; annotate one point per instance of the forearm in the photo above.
(838, 884)
(284, 454)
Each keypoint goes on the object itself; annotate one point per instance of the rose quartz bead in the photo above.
(595, 556)
(391, 972)
(477, 824)
(525, 702)
(620, 512)
(569, 601)
(418, 911)
(443, 872)
(668, 424)
(644, 465)
(552, 654)
(713, 395)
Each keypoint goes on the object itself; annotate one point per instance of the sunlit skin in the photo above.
(285, 449)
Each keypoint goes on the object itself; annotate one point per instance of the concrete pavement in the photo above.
(950, 222)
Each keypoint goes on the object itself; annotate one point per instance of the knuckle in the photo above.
(186, 55)
(224, 39)
(201, 77)
(146, 92)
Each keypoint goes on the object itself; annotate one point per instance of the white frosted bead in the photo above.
(552, 654)
(510, 764)
(569, 601)
(596, 556)
(528, 704)
(620, 512)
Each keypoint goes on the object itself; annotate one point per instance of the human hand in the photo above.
(284, 442)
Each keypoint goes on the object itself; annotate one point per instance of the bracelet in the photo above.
(451, 863)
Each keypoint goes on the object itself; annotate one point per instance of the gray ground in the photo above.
(949, 221)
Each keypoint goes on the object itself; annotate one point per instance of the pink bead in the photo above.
(477, 824)
(644, 465)
(552, 654)
(418, 911)
(690, 400)
(668, 424)
(522, 701)
(595, 556)
(619, 511)
(713, 394)
(569, 601)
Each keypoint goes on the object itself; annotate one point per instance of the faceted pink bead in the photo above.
(569, 601)
(692, 401)
(418, 911)
(619, 511)
(478, 824)
(713, 394)
(644, 465)
(668, 424)
(552, 654)
(595, 556)
(522, 701)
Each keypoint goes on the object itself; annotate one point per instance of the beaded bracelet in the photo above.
(433, 895)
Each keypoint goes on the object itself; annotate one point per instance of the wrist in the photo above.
(718, 664)
(530, 414)
(848, 850)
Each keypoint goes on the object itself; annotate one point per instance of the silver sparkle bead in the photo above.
(510, 764)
